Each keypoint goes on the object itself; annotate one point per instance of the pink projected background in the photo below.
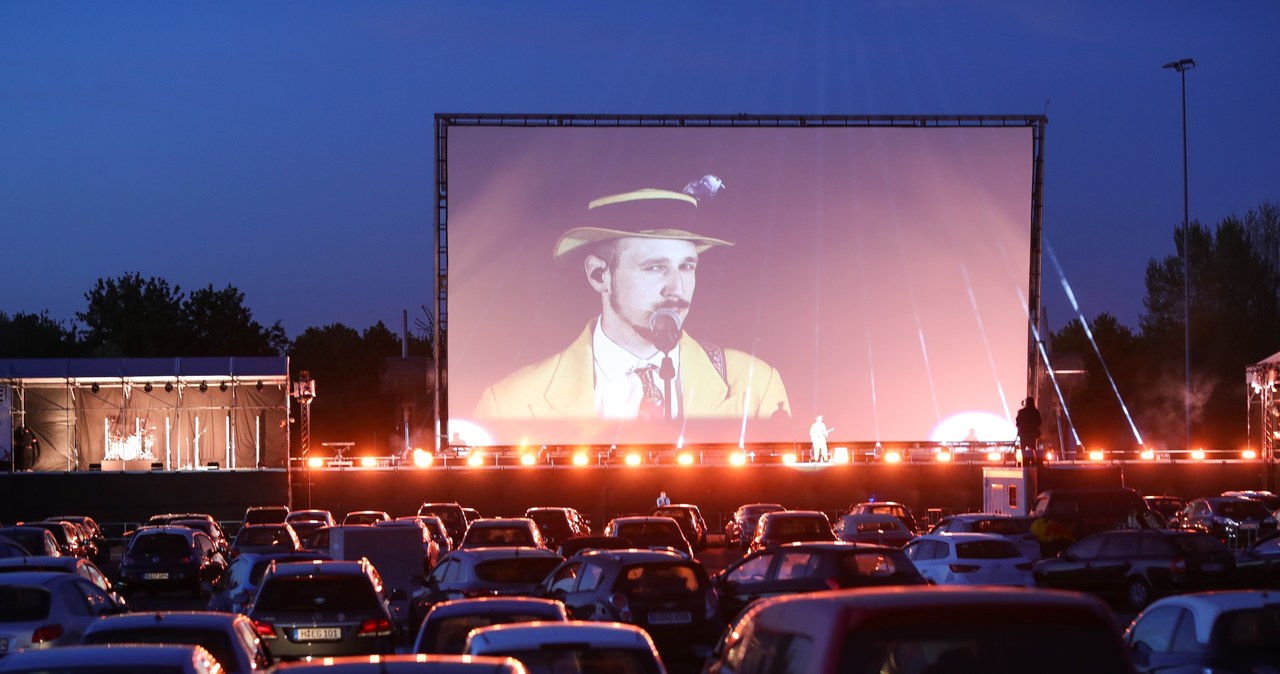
(882, 271)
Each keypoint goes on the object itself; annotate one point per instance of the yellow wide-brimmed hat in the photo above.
(645, 214)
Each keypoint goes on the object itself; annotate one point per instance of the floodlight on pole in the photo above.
(1182, 66)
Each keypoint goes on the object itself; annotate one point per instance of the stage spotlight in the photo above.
(315, 462)
(1147, 454)
(841, 455)
(789, 458)
(737, 459)
(147, 388)
(528, 459)
(204, 387)
(222, 387)
(685, 459)
(475, 459)
(367, 461)
(95, 387)
(633, 459)
(943, 456)
(994, 456)
(893, 456)
(1197, 455)
(1095, 455)
(1248, 455)
(168, 387)
(580, 458)
(421, 457)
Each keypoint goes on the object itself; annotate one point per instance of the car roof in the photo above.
(830, 545)
(869, 517)
(202, 619)
(37, 578)
(961, 537)
(481, 605)
(157, 529)
(328, 567)
(512, 551)
(1207, 606)
(524, 636)
(502, 521)
(396, 664)
(643, 519)
(44, 561)
(116, 654)
(796, 514)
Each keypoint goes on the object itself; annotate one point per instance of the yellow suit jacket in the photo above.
(563, 386)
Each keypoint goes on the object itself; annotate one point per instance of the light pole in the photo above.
(1182, 66)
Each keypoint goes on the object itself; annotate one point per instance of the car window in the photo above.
(218, 643)
(312, 593)
(1005, 526)
(565, 577)
(1120, 545)
(1001, 549)
(873, 563)
(925, 550)
(91, 599)
(1155, 630)
(776, 653)
(1086, 548)
(448, 571)
(591, 577)
(658, 578)
(516, 569)
(752, 570)
(164, 545)
(1255, 630)
(796, 564)
(23, 604)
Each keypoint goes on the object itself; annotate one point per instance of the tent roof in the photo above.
(233, 367)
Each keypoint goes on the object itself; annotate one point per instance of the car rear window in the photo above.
(1199, 543)
(986, 550)
(659, 578)
(1249, 635)
(879, 525)
(262, 536)
(165, 545)
(651, 533)
(502, 536)
(996, 649)
(516, 569)
(1243, 510)
(312, 593)
(23, 604)
(450, 634)
(218, 643)
(1004, 526)
(875, 564)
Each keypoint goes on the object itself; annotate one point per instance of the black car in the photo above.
(170, 558)
(1137, 566)
(810, 567)
(35, 540)
(689, 517)
(102, 547)
(451, 514)
(557, 524)
(1258, 567)
(1061, 517)
(1238, 522)
(791, 526)
(663, 592)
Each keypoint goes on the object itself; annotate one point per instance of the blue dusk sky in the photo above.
(287, 148)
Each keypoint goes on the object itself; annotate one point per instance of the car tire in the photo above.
(1137, 594)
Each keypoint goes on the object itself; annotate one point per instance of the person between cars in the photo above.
(635, 360)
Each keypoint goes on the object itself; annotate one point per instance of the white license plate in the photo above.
(1249, 525)
(155, 576)
(318, 634)
(670, 618)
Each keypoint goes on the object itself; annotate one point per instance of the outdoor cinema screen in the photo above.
(877, 275)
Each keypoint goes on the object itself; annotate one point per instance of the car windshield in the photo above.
(660, 578)
(516, 569)
(23, 604)
(986, 550)
(645, 534)
(1003, 649)
(1005, 526)
(581, 659)
(1243, 510)
(217, 642)
(452, 517)
(163, 545)
(315, 593)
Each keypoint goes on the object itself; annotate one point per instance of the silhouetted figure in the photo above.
(1028, 423)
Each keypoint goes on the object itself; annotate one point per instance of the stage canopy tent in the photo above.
(166, 413)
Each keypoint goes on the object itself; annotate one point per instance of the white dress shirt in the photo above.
(618, 388)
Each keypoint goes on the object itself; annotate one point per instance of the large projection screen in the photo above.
(882, 274)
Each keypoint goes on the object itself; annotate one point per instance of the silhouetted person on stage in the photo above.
(1028, 423)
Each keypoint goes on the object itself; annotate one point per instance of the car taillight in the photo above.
(1178, 565)
(963, 568)
(832, 583)
(713, 604)
(619, 601)
(375, 627)
(265, 630)
(46, 633)
(185, 560)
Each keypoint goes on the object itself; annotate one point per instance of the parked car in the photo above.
(278, 537)
(444, 629)
(791, 526)
(1016, 529)
(874, 529)
(993, 630)
(436, 528)
(1258, 566)
(573, 546)
(47, 609)
(664, 592)
(233, 592)
(575, 646)
(1165, 506)
(650, 532)
(170, 558)
(430, 547)
(210, 527)
(452, 515)
(102, 547)
(557, 523)
(1237, 522)
(77, 565)
(169, 658)
(689, 517)
(311, 515)
(1137, 566)
(1269, 499)
(1061, 517)
(797, 568)
(1208, 632)
(739, 530)
(68, 537)
(275, 514)
(502, 532)
(35, 540)
(481, 572)
(323, 608)
(898, 510)
(11, 548)
(229, 637)
(969, 559)
(365, 517)
(405, 664)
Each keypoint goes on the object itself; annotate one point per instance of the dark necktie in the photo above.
(651, 407)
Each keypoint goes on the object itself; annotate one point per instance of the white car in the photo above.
(575, 646)
(1016, 529)
(969, 559)
(1233, 631)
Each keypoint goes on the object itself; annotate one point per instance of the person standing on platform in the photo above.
(663, 499)
(818, 433)
(1028, 423)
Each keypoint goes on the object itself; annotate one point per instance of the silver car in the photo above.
(114, 658)
(230, 637)
(44, 609)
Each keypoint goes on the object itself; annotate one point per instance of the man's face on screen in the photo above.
(646, 275)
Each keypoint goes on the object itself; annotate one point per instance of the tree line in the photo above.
(1234, 309)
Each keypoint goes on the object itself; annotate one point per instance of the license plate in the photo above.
(155, 576)
(1249, 525)
(670, 618)
(318, 634)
